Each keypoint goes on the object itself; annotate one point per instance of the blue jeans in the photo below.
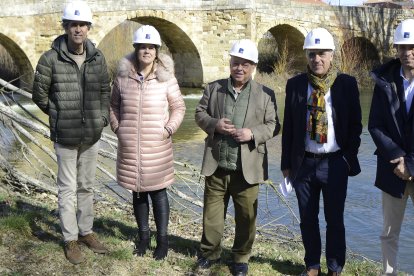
(329, 175)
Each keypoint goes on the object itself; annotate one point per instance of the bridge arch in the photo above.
(21, 62)
(188, 66)
(282, 43)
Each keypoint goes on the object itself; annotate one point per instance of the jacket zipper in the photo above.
(81, 75)
(141, 86)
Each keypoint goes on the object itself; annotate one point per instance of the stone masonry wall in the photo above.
(199, 33)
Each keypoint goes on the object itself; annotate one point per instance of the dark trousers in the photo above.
(161, 210)
(218, 189)
(329, 175)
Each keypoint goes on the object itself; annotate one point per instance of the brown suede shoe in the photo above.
(311, 272)
(73, 252)
(91, 241)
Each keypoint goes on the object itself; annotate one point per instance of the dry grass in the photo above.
(276, 64)
(355, 61)
(30, 244)
(284, 62)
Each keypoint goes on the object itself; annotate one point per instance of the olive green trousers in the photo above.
(218, 189)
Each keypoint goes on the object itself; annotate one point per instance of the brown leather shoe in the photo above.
(311, 272)
(91, 241)
(332, 273)
(73, 252)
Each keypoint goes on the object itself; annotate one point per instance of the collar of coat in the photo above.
(164, 70)
(387, 72)
(60, 45)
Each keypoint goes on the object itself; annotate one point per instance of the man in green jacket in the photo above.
(72, 87)
(239, 116)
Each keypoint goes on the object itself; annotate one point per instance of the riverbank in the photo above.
(30, 244)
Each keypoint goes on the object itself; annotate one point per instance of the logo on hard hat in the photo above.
(317, 41)
(77, 12)
(241, 50)
(147, 36)
(406, 34)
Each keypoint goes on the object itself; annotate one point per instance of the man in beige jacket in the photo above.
(239, 116)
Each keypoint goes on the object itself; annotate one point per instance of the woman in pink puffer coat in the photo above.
(146, 109)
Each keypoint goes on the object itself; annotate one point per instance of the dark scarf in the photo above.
(318, 121)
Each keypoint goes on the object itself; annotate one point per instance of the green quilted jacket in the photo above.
(76, 100)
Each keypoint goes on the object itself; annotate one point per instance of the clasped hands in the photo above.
(401, 169)
(225, 126)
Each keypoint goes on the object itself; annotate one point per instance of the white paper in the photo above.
(285, 187)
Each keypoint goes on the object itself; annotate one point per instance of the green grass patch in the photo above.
(45, 248)
(124, 254)
(16, 223)
(3, 197)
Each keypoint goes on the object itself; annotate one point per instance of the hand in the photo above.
(242, 135)
(401, 169)
(224, 126)
(104, 121)
(165, 134)
(286, 173)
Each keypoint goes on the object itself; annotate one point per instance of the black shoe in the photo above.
(143, 244)
(205, 263)
(161, 250)
(240, 269)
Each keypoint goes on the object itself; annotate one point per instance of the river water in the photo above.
(363, 213)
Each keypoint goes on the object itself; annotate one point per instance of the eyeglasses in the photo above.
(244, 65)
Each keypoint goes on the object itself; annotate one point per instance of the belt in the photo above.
(321, 155)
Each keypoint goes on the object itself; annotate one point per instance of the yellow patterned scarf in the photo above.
(318, 121)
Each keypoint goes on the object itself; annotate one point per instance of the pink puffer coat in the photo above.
(139, 112)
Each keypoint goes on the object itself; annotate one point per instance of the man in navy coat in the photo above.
(391, 124)
(320, 141)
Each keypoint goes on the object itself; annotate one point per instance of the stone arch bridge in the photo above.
(198, 33)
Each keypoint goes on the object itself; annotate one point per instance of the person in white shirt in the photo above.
(391, 126)
(320, 141)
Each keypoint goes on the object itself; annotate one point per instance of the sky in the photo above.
(344, 2)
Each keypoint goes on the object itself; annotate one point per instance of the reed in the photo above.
(276, 64)
(284, 62)
(357, 60)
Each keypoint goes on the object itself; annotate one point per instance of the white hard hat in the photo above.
(319, 38)
(404, 34)
(147, 34)
(77, 11)
(245, 48)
